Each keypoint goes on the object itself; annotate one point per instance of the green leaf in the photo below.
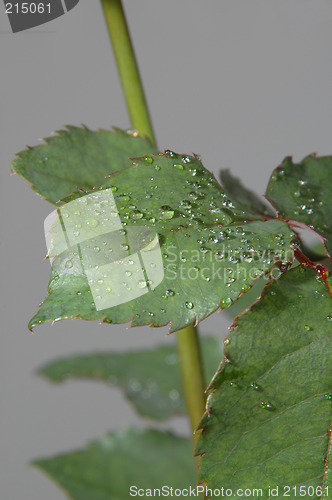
(176, 301)
(270, 407)
(78, 158)
(106, 468)
(210, 253)
(246, 198)
(151, 379)
(302, 191)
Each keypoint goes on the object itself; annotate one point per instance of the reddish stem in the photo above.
(321, 270)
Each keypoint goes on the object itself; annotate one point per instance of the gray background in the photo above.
(241, 82)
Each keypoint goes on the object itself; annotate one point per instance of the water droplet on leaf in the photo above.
(255, 387)
(168, 293)
(136, 215)
(225, 302)
(166, 212)
(266, 405)
(92, 222)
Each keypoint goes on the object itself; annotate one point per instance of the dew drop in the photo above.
(69, 264)
(225, 302)
(166, 212)
(266, 405)
(124, 197)
(203, 249)
(255, 387)
(168, 293)
(136, 215)
(185, 203)
(148, 159)
(170, 153)
(132, 132)
(92, 222)
(189, 305)
(178, 166)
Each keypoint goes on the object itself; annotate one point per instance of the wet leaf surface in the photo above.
(303, 191)
(270, 408)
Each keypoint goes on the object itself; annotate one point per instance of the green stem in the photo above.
(188, 346)
(192, 374)
(127, 67)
